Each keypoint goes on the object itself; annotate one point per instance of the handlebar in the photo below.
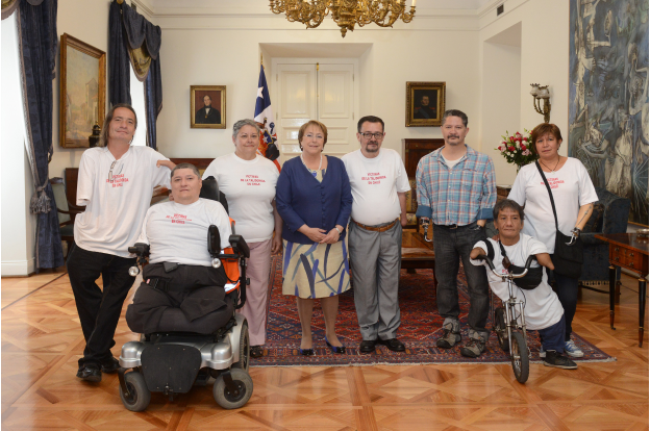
(509, 275)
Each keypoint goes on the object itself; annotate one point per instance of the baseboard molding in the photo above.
(17, 268)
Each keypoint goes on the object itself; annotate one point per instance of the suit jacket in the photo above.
(425, 113)
(212, 117)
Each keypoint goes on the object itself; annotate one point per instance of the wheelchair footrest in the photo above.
(170, 368)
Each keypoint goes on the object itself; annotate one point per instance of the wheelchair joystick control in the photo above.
(216, 262)
(134, 271)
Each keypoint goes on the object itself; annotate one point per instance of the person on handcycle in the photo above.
(181, 291)
(509, 250)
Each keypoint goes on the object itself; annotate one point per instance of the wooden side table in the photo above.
(629, 251)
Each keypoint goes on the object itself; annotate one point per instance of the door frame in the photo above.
(356, 91)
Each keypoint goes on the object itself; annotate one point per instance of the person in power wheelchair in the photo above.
(508, 252)
(185, 306)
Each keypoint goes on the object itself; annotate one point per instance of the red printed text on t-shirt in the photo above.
(118, 180)
(553, 182)
(252, 180)
(178, 218)
(374, 178)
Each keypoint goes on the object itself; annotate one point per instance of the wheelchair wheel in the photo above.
(519, 357)
(228, 400)
(140, 395)
(500, 328)
(244, 348)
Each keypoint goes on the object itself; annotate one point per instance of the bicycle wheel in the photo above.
(500, 328)
(519, 357)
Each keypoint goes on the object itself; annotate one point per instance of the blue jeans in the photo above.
(567, 293)
(552, 338)
(451, 245)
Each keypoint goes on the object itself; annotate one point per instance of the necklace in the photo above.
(552, 170)
(319, 165)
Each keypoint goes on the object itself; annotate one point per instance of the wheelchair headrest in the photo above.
(210, 189)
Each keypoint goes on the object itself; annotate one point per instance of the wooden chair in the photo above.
(66, 211)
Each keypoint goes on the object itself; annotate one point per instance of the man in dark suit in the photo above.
(207, 114)
(425, 112)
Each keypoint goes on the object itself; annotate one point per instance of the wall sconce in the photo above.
(541, 92)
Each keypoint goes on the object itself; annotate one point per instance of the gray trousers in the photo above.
(376, 260)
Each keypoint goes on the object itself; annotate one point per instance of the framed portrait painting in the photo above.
(82, 95)
(208, 106)
(425, 104)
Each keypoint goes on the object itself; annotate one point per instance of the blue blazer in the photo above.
(301, 199)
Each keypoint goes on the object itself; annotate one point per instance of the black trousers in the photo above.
(99, 310)
(188, 299)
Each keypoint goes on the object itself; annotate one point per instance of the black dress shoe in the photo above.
(393, 344)
(90, 373)
(111, 365)
(307, 352)
(367, 346)
(256, 351)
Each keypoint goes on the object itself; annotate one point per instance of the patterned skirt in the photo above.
(311, 271)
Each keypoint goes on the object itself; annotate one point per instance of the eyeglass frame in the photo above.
(376, 135)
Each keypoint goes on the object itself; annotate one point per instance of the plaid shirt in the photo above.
(457, 196)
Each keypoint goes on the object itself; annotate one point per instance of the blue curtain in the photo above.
(119, 80)
(129, 30)
(39, 40)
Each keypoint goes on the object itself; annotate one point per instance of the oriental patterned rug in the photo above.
(421, 326)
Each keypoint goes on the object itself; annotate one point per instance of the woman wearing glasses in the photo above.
(115, 185)
(314, 199)
(573, 196)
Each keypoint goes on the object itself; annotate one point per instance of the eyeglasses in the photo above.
(118, 170)
(376, 135)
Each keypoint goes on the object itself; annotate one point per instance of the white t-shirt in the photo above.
(571, 187)
(249, 186)
(115, 206)
(451, 163)
(543, 308)
(179, 233)
(375, 183)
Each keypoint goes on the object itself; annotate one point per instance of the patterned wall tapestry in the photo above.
(608, 96)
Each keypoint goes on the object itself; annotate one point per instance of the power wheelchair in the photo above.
(173, 362)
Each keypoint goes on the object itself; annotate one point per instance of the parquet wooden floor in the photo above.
(42, 340)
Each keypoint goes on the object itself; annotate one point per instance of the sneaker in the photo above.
(557, 360)
(475, 347)
(449, 336)
(542, 352)
(571, 349)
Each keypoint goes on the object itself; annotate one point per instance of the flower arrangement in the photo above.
(515, 149)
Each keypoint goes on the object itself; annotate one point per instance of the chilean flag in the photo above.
(264, 118)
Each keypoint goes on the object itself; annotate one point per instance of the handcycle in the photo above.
(509, 326)
(171, 362)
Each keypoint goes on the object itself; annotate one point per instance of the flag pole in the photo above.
(262, 59)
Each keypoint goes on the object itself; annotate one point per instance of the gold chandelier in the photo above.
(345, 13)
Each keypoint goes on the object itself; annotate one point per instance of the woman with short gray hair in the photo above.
(248, 181)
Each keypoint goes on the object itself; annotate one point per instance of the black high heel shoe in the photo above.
(306, 352)
(337, 350)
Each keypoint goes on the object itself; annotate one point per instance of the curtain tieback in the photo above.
(40, 203)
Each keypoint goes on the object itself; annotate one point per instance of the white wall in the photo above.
(544, 60)
(500, 98)
(18, 225)
(189, 57)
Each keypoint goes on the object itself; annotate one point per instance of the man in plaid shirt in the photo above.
(456, 186)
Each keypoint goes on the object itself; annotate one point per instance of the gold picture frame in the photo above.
(425, 104)
(204, 115)
(82, 91)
